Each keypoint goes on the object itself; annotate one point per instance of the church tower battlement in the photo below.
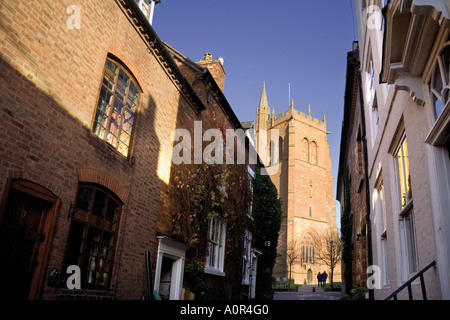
(304, 182)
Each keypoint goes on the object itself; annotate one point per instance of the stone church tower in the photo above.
(303, 177)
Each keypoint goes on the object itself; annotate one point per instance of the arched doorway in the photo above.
(309, 277)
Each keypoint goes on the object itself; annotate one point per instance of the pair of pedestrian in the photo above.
(322, 279)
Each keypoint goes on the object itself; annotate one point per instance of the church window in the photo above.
(308, 251)
(305, 150)
(313, 153)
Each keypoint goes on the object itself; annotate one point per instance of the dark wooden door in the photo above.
(21, 236)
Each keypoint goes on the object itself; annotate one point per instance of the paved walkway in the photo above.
(307, 292)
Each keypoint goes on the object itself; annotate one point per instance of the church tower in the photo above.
(305, 186)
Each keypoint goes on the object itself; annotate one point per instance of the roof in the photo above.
(248, 125)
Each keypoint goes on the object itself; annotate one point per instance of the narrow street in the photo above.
(307, 292)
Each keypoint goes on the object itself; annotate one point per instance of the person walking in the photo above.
(324, 278)
(319, 279)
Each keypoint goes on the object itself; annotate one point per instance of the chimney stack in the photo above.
(215, 67)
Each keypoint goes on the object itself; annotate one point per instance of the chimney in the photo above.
(215, 67)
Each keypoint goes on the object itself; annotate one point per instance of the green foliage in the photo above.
(195, 277)
(355, 294)
(267, 216)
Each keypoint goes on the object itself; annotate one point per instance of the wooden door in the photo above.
(24, 237)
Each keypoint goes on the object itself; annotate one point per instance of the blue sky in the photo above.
(296, 42)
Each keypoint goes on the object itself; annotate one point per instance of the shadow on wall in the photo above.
(42, 142)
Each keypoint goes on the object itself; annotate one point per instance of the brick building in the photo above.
(300, 168)
(351, 189)
(90, 99)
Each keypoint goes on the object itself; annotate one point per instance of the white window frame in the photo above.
(408, 246)
(372, 100)
(216, 238)
(247, 257)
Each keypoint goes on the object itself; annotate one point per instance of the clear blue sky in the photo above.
(304, 43)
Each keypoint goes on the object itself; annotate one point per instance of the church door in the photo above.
(309, 277)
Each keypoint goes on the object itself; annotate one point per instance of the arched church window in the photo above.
(313, 153)
(308, 250)
(305, 150)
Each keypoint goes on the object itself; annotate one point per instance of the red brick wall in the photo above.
(49, 85)
(49, 88)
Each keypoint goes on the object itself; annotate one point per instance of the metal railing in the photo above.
(408, 284)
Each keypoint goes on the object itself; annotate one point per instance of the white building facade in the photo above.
(404, 50)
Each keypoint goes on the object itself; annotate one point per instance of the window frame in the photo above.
(112, 98)
(435, 95)
(406, 228)
(216, 267)
(247, 257)
(314, 153)
(406, 180)
(82, 219)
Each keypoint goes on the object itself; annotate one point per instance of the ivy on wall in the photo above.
(202, 192)
(267, 214)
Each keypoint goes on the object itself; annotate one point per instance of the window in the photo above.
(145, 6)
(308, 251)
(251, 178)
(383, 4)
(305, 150)
(216, 246)
(372, 81)
(280, 148)
(402, 166)
(372, 98)
(440, 83)
(116, 107)
(313, 153)
(247, 256)
(407, 233)
(92, 235)
(408, 240)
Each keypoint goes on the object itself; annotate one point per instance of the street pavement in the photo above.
(307, 292)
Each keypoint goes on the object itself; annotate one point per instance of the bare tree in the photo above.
(292, 256)
(329, 252)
